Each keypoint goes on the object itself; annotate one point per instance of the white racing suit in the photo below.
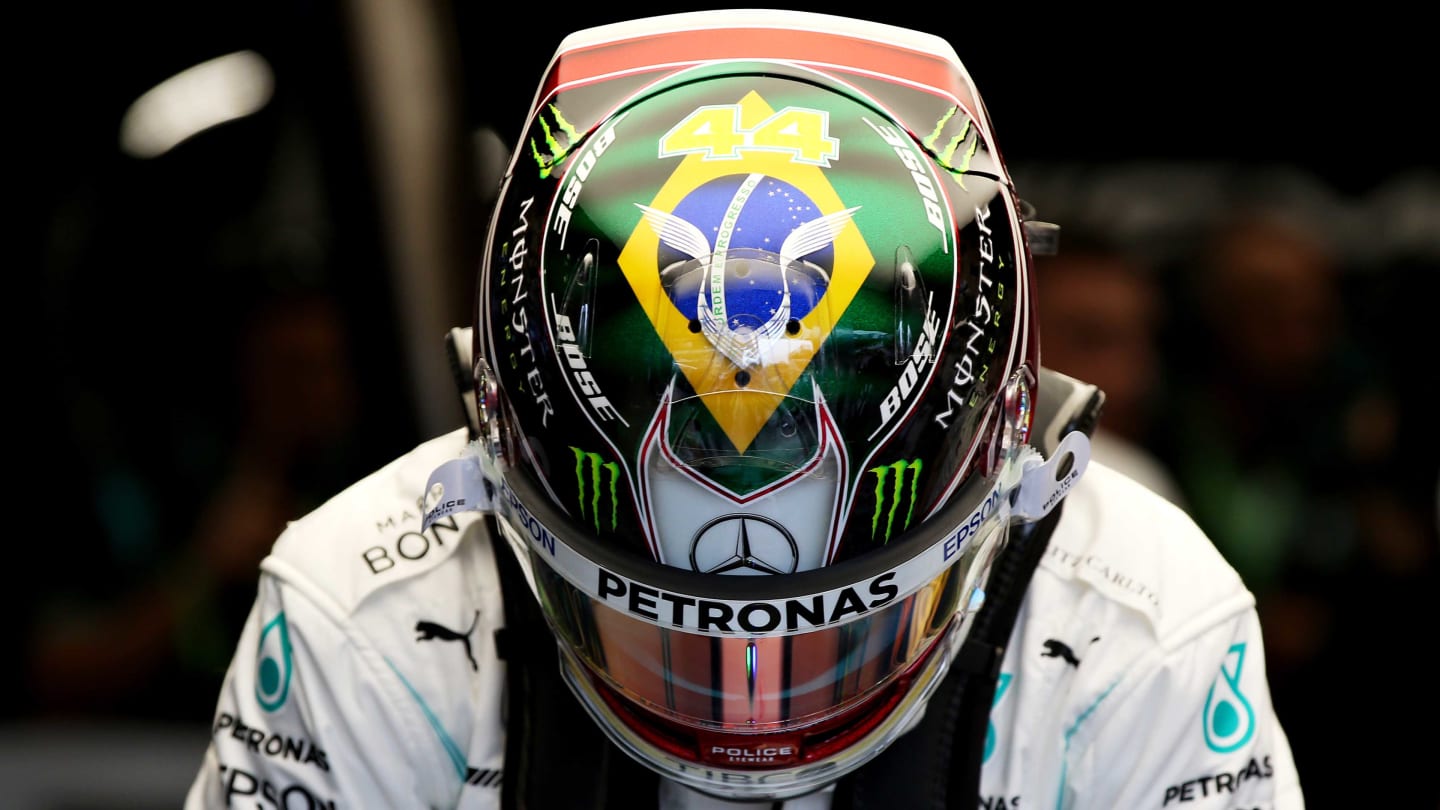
(367, 674)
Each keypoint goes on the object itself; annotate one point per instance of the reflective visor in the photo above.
(748, 683)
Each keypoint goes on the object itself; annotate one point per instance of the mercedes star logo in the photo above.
(743, 544)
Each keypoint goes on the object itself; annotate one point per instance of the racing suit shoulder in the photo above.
(1137, 549)
(366, 678)
(1135, 676)
(369, 535)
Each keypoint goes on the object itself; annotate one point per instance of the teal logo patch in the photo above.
(1000, 686)
(1229, 718)
(273, 664)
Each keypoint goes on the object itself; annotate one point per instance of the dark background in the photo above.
(339, 229)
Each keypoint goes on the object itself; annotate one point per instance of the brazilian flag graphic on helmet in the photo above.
(750, 279)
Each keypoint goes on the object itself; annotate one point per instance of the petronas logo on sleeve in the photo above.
(596, 479)
(273, 664)
(1229, 718)
(896, 486)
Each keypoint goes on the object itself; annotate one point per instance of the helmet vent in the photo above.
(909, 304)
(579, 301)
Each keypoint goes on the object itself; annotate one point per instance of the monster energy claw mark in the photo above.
(897, 490)
(589, 469)
(554, 151)
(934, 136)
(946, 156)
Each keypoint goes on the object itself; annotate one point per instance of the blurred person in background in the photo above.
(1101, 311)
(210, 206)
(149, 647)
(1393, 575)
(1272, 405)
(1284, 430)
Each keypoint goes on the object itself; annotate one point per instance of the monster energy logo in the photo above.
(554, 151)
(590, 474)
(896, 491)
(946, 156)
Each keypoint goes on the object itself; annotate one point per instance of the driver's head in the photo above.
(754, 353)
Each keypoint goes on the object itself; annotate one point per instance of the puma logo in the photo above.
(430, 631)
(1059, 649)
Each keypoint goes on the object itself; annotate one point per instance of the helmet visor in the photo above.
(755, 672)
(750, 683)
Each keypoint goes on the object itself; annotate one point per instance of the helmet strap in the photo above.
(459, 350)
(555, 755)
(937, 763)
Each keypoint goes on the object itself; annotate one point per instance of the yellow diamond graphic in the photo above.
(742, 411)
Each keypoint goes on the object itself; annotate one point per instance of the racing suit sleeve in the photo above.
(1191, 727)
(311, 715)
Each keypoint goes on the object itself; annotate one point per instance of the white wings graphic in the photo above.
(678, 233)
(746, 348)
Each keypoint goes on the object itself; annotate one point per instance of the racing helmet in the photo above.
(755, 363)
